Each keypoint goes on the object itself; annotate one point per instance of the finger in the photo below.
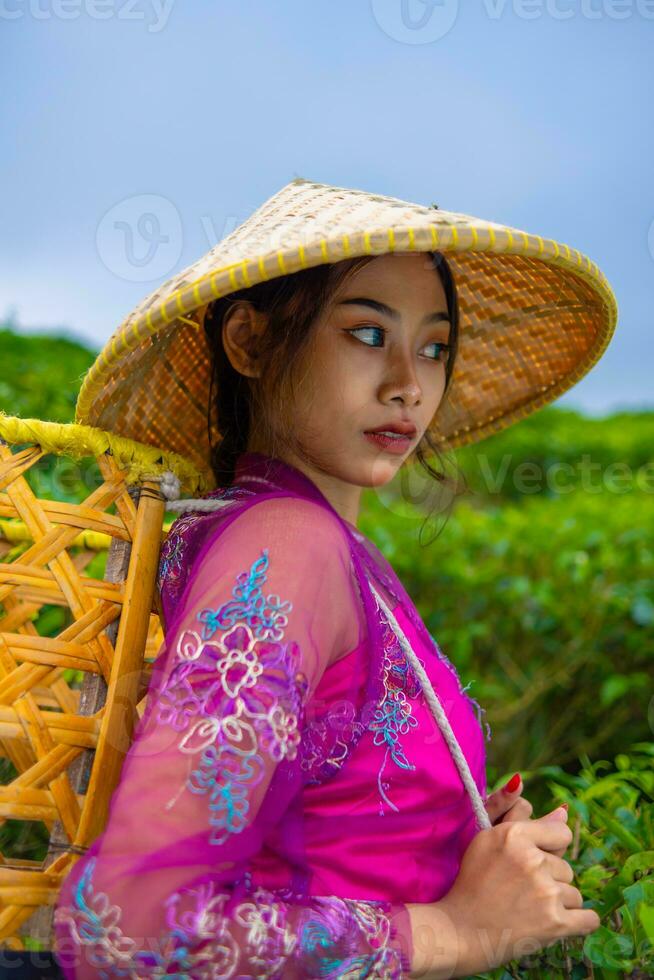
(559, 814)
(559, 868)
(571, 897)
(579, 922)
(520, 810)
(496, 809)
(549, 835)
(503, 798)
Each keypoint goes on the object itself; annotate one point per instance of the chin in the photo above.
(367, 473)
(382, 471)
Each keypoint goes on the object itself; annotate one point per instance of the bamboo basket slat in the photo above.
(27, 675)
(12, 919)
(57, 760)
(28, 795)
(56, 721)
(68, 517)
(28, 811)
(14, 465)
(82, 739)
(54, 596)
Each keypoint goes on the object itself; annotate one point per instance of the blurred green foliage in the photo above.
(41, 375)
(557, 451)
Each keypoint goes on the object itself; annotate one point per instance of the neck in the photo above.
(344, 497)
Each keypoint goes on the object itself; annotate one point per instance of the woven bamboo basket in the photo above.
(75, 649)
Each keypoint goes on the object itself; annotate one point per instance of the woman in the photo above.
(298, 801)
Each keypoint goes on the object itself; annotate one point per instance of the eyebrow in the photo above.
(388, 311)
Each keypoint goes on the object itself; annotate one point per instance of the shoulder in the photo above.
(285, 524)
(281, 554)
(289, 542)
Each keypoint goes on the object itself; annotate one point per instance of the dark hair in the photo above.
(292, 304)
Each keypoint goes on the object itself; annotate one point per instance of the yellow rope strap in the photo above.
(73, 439)
(15, 532)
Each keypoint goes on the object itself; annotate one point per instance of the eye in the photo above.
(370, 335)
(443, 349)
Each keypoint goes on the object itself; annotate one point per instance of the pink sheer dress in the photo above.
(287, 790)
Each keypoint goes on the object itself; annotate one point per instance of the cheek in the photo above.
(433, 388)
(336, 376)
(322, 383)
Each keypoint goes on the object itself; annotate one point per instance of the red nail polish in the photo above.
(565, 806)
(512, 784)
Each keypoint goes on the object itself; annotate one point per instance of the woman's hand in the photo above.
(507, 803)
(513, 895)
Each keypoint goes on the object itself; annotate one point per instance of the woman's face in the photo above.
(375, 359)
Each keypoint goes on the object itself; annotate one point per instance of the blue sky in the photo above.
(531, 112)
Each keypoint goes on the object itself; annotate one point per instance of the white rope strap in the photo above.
(442, 721)
(170, 488)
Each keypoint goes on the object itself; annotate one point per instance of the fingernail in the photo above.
(512, 784)
(564, 806)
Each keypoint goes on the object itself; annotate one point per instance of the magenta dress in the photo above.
(287, 791)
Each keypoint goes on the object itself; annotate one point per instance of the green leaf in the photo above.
(637, 862)
(593, 876)
(604, 819)
(646, 915)
(642, 611)
(609, 949)
(614, 687)
(640, 891)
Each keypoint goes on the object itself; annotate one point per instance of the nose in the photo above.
(402, 382)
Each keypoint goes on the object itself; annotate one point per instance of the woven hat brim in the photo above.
(535, 315)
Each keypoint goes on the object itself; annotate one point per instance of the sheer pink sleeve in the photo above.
(215, 770)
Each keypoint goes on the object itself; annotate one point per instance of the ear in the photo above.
(243, 328)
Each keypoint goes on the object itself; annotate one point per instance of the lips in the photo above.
(407, 429)
(394, 437)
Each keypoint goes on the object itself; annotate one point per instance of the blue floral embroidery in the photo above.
(235, 698)
(266, 617)
(393, 716)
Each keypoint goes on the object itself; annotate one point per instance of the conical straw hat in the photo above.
(535, 315)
